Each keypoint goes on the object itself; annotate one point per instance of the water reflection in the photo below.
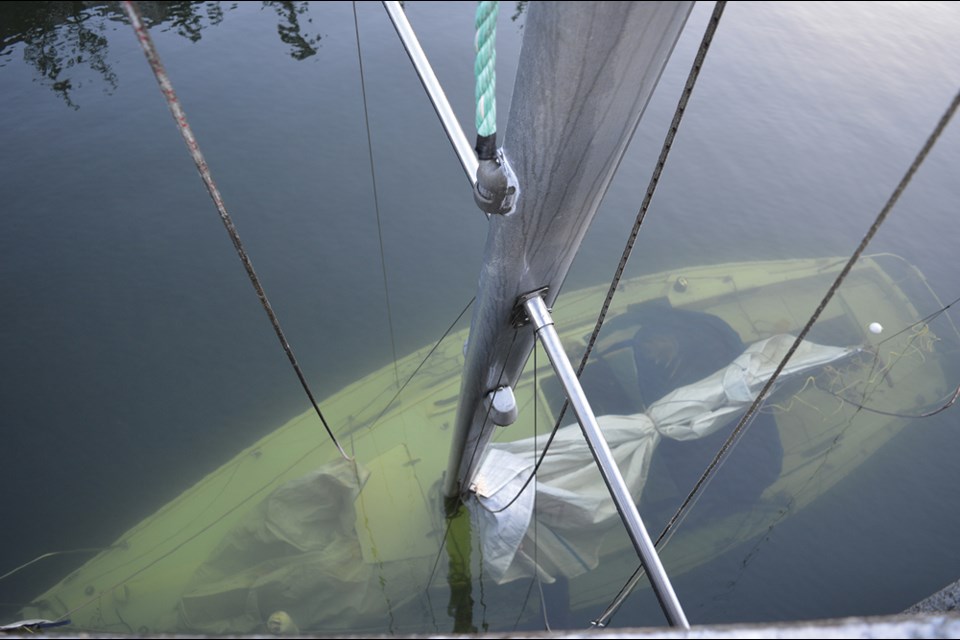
(59, 40)
(63, 40)
(302, 45)
(187, 18)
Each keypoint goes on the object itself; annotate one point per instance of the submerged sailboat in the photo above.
(290, 537)
(289, 526)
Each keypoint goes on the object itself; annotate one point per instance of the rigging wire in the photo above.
(422, 362)
(641, 214)
(52, 554)
(146, 43)
(376, 198)
(436, 560)
(924, 320)
(761, 396)
(523, 607)
(926, 414)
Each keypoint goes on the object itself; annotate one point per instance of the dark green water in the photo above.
(134, 356)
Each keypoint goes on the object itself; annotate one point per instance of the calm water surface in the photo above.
(134, 356)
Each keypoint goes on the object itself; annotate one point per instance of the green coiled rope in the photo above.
(484, 68)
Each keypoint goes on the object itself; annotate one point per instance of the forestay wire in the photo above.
(146, 43)
(761, 396)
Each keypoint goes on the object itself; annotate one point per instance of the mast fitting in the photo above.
(495, 190)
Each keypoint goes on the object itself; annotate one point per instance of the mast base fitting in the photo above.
(493, 192)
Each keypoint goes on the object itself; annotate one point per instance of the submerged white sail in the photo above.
(565, 517)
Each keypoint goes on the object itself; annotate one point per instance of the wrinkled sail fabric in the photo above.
(296, 552)
(573, 506)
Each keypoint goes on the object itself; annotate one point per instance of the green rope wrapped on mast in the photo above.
(492, 190)
(486, 75)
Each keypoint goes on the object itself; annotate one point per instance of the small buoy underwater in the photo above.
(876, 328)
(281, 624)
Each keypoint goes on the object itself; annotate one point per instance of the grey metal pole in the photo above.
(543, 324)
(461, 145)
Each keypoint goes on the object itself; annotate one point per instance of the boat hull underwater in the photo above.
(288, 536)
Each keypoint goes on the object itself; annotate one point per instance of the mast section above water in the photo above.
(586, 73)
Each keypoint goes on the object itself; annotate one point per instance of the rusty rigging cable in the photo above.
(146, 43)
